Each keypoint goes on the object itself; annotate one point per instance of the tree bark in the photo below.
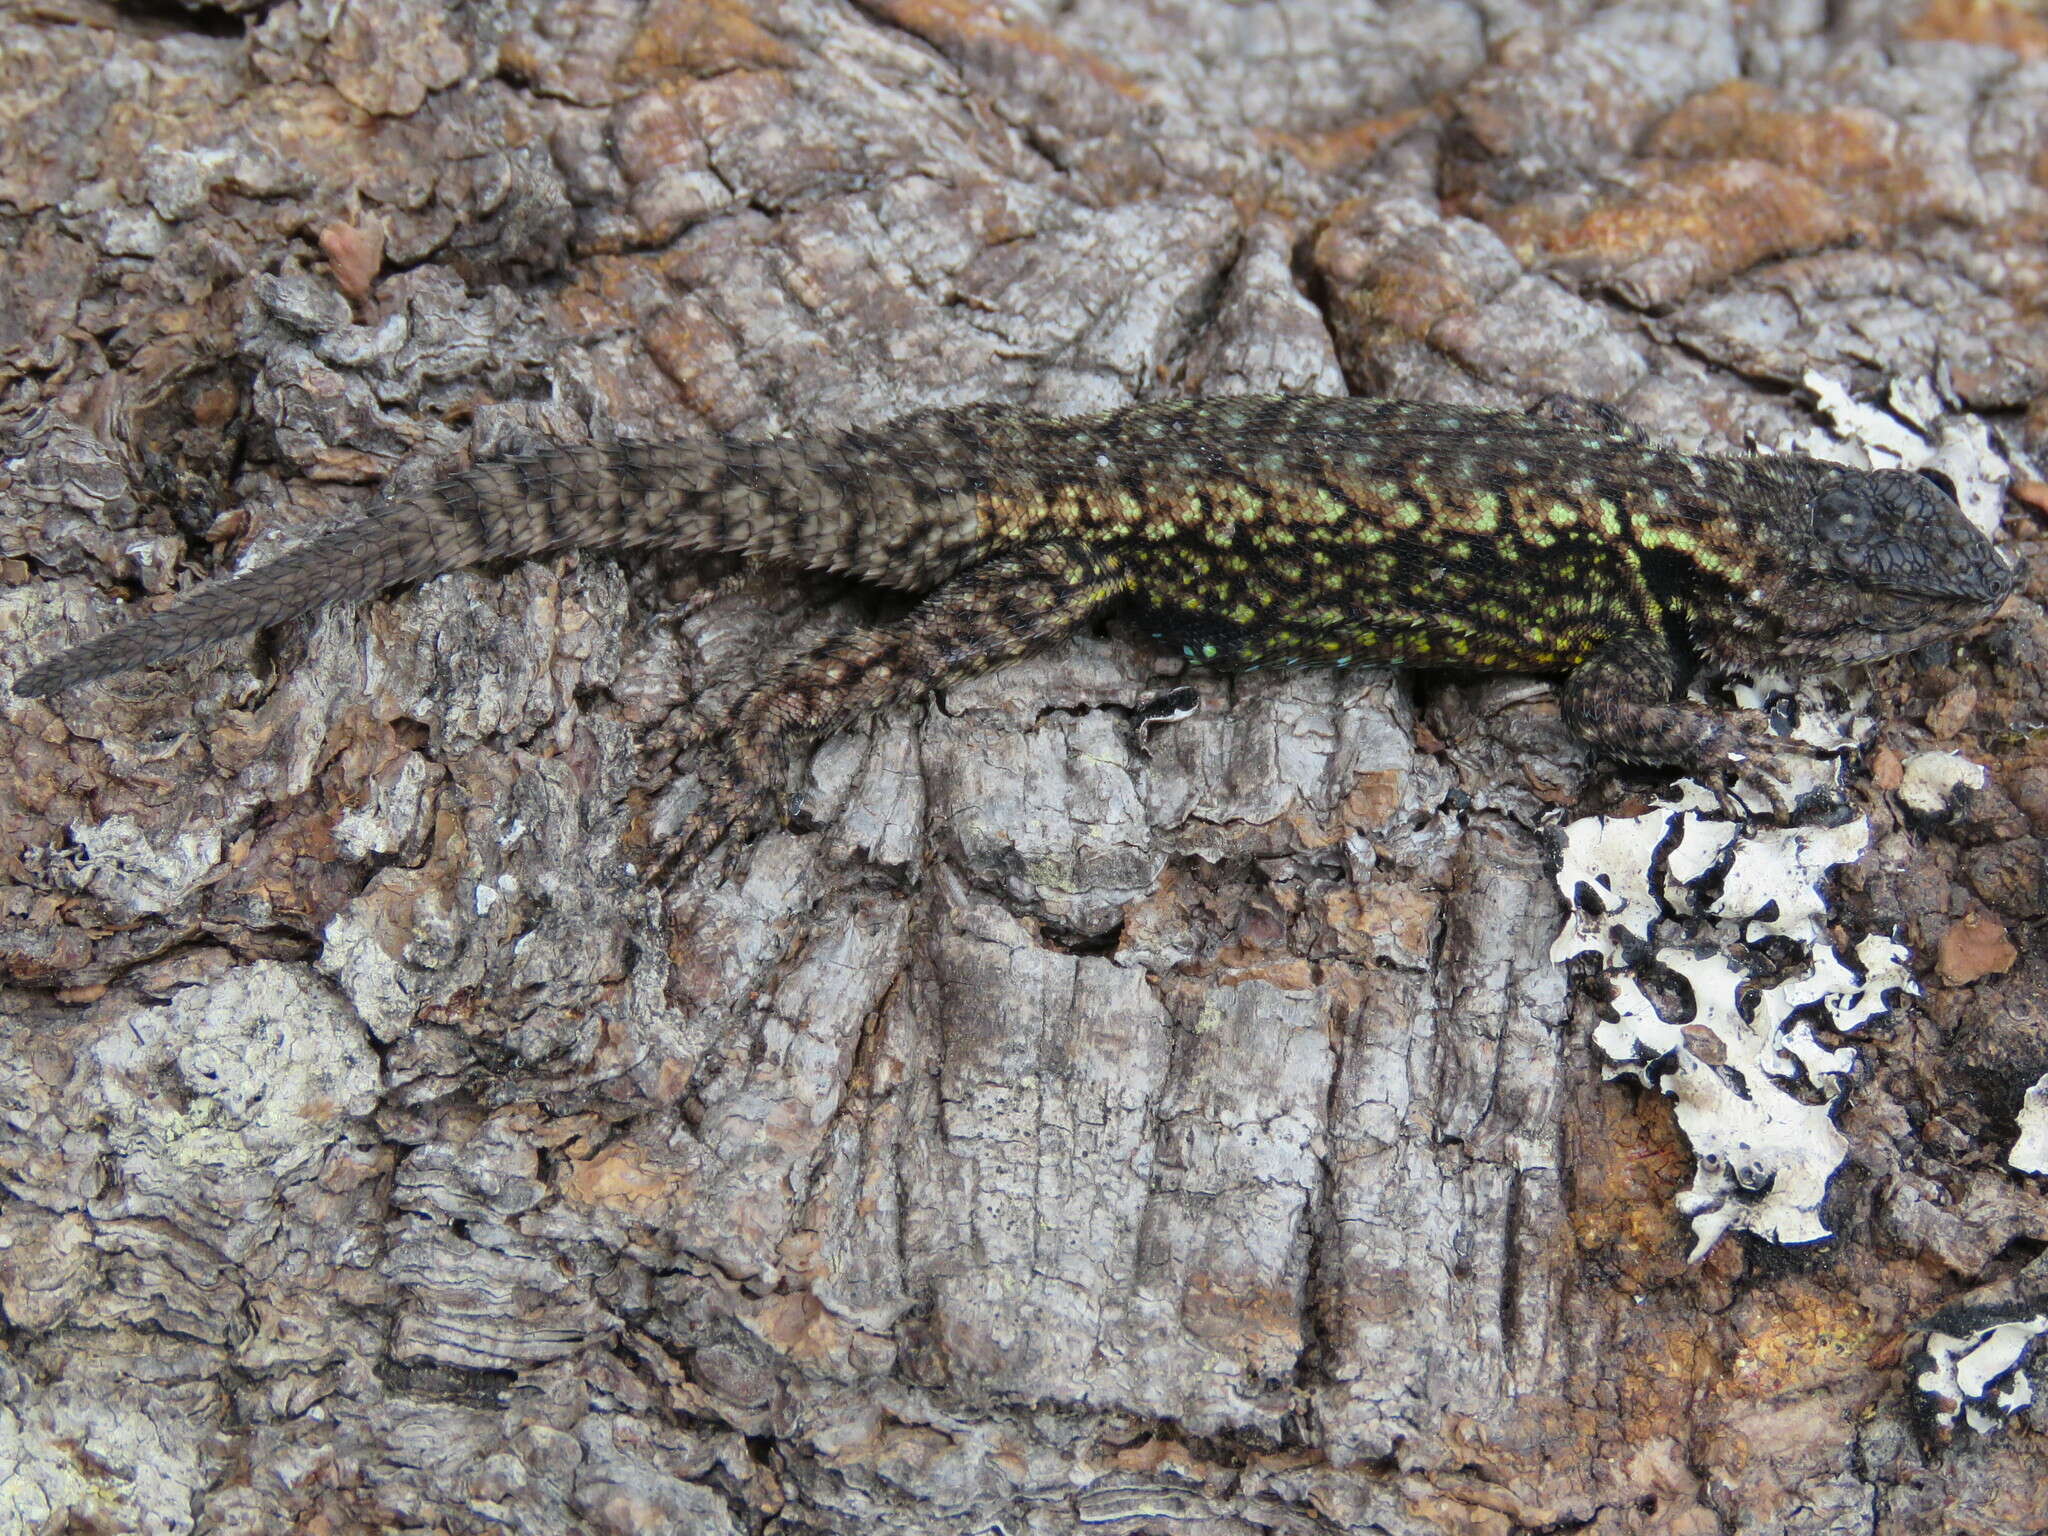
(1066, 1124)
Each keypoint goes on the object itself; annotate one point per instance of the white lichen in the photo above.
(1977, 1376)
(1826, 715)
(139, 871)
(1932, 780)
(2030, 1150)
(1712, 942)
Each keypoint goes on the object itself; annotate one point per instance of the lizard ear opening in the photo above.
(1940, 482)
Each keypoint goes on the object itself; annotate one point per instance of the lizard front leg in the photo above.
(994, 613)
(1623, 701)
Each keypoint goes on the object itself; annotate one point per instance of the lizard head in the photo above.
(1892, 564)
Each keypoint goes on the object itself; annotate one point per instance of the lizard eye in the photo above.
(1940, 482)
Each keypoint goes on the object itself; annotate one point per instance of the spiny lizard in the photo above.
(1247, 531)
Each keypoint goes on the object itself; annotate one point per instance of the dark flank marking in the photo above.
(1260, 532)
(1670, 575)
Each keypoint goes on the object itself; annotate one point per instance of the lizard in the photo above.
(1246, 531)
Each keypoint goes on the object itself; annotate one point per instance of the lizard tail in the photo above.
(349, 562)
(832, 503)
(513, 507)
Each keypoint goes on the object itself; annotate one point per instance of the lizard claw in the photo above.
(1737, 786)
(740, 802)
(667, 748)
(1753, 772)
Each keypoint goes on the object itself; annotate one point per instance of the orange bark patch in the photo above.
(621, 1178)
(1731, 178)
(1409, 293)
(698, 356)
(1346, 148)
(800, 1327)
(1952, 713)
(969, 29)
(355, 253)
(1375, 796)
(1628, 1161)
(1974, 948)
(1699, 225)
(2001, 23)
(701, 38)
(1388, 918)
(1259, 1323)
(2031, 493)
(1851, 151)
(1236, 965)
(1806, 1341)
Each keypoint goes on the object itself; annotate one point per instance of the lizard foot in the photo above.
(1751, 772)
(744, 790)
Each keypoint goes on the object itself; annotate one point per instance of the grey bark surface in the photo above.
(1060, 1128)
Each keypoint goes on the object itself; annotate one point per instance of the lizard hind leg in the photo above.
(993, 613)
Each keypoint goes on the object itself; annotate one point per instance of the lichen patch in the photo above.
(1676, 904)
(1975, 1377)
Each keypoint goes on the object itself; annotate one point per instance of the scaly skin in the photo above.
(1247, 532)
